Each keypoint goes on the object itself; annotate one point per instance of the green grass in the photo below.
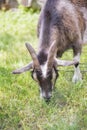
(20, 105)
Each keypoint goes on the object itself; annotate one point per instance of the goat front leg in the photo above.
(77, 74)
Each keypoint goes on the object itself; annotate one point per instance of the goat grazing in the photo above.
(61, 26)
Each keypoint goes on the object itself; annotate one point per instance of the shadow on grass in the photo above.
(58, 98)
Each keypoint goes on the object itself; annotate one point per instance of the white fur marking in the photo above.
(44, 70)
(44, 95)
(77, 75)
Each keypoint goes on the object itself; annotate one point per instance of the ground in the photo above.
(20, 105)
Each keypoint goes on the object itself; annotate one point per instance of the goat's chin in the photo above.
(45, 99)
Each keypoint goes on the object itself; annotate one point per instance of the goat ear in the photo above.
(23, 69)
(33, 55)
(65, 62)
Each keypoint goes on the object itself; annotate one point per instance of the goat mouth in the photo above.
(47, 100)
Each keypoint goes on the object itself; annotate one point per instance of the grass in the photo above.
(20, 105)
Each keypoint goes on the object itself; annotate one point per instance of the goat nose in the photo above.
(47, 99)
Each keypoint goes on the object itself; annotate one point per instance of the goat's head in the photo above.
(46, 74)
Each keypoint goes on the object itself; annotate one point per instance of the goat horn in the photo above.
(23, 69)
(65, 62)
(52, 53)
(33, 55)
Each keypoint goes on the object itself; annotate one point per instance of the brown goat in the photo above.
(61, 27)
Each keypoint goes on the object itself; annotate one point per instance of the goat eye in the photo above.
(39, 75)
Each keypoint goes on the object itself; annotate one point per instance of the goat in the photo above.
(61, 26)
